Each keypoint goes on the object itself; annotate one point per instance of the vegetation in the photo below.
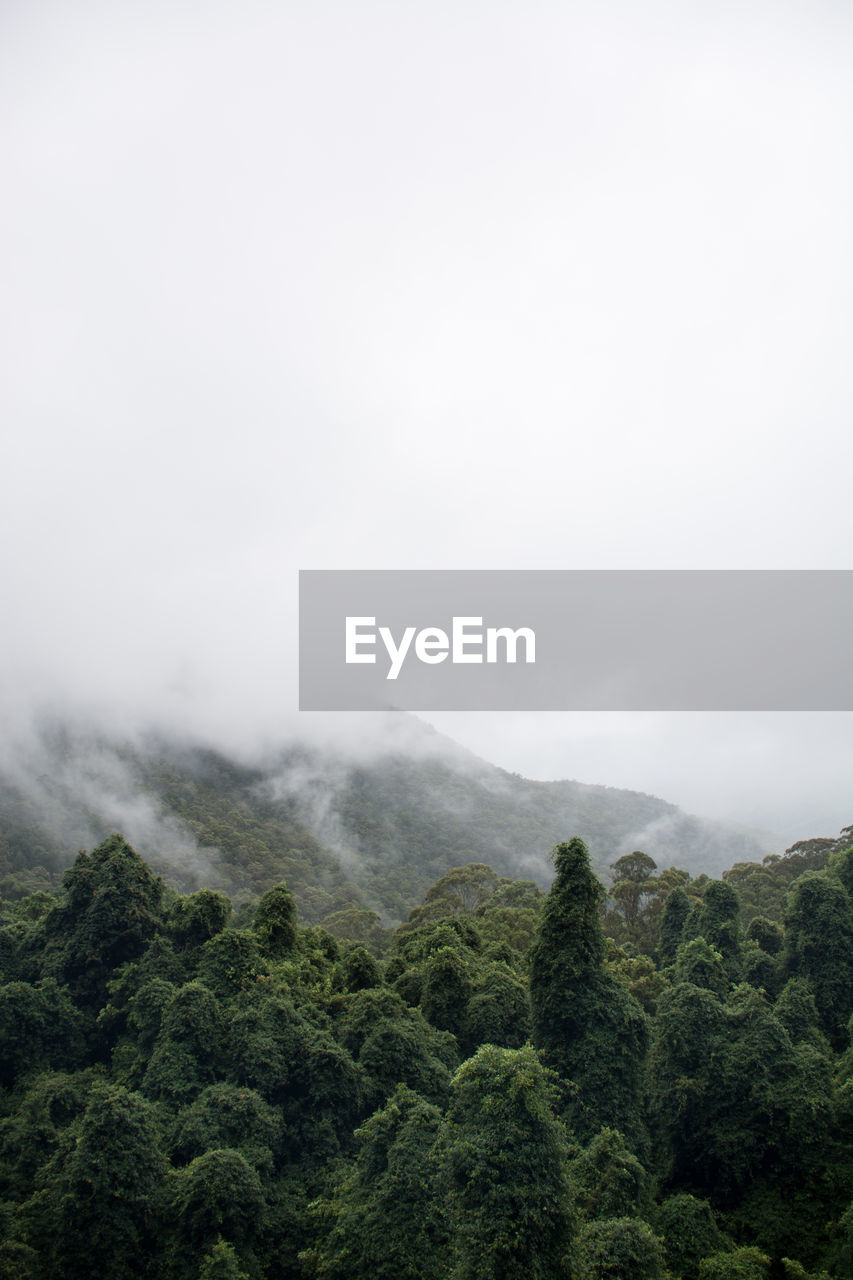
(651, 1082)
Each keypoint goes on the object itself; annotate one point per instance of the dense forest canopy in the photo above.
(653, 1079)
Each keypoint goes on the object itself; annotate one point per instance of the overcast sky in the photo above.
(406, 285)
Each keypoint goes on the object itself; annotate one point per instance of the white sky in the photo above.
(408, 285)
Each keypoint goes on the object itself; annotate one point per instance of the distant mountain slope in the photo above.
(343, 829)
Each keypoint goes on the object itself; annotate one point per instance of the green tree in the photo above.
(385, 1221)
(675, 912)
(218, 1196)
(275, 922)
(589, 1027)
(819, 947)
(39, 1029)
(188, 1049)
(505, 1165)
(689, 1232)
(608, 1180)
(717, 919)
(111, 910)
(498, 1010)
(619, 1248)
(227, 1115)
(198, 917)
(221, 1263)
(102, 1193)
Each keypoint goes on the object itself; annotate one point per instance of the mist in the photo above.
(331, 286)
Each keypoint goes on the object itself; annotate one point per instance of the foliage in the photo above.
(617, 1248)
(188, 1092)
(505, 1166)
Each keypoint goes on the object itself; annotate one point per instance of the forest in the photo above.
(652, 1081)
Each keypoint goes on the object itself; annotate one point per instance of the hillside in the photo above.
(342, 827)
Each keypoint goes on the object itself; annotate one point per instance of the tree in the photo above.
(689, 1232)
(620, 1247)
(675, 912)
(227, 1115)
(505, 1166)
(608, 1180)
(741, 1264)
(198, 917)
(231, 963)
(102, 1193)
(221, 1263)
(633, 881)
(384, 1221)
(819, 947)
(498, 1010)
(111, 911)
(700, 964)
(275, 922)
(394, 1044)
(717, 919)
(218, 1196)
(188, 1048)
(590, 1029)
(39, 1029)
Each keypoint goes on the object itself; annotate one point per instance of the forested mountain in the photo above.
(345, 828)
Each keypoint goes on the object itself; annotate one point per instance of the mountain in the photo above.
(346, 824)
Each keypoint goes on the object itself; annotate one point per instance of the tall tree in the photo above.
(591, 1030)
(819, 947)
(505, 1162)
(385, 1221)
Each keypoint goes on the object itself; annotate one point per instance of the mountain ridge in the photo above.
(345, 826)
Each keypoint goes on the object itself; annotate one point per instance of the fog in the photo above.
(403, 286)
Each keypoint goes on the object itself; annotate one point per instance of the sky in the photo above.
(382, 285)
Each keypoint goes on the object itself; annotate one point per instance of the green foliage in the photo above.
(258, 1078)
(384, 1220)
(766, 933)
(819, 947)
(689, 1232)
(218, 1196)
(275, 922)
(741, 1264)
(188, 1048)
(608, 1180)
(110, 911)
(31, 1134)
(716, 918)
(735, 1106)
(620, 1248)
(675, 912)
(221, 1263)
(498, 1010)
(102, 1193)
(231, 963)
(394, 1044)
(589, 1027)
(505, 1165)
(198, 917)
(39, 1029)
(227, 1115)
(701, 965)
(359, 970)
